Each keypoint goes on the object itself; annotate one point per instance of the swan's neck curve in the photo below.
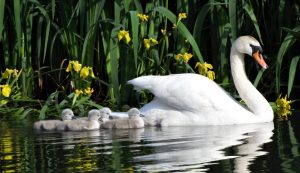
(255, 101)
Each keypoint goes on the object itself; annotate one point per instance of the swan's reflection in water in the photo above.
(191, 148)
(165, 149)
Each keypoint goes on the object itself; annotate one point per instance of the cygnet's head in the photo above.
(94, 114)
(67, 114)
(250, 46)
(133, 112)
(104, 114)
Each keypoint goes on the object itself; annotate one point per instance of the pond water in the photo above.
(267, 147)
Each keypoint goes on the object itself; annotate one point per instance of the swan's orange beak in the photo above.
(260, 60)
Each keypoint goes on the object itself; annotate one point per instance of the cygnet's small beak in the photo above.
(142, 115)
(73, 118)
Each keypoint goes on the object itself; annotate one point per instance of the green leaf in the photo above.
(199, 22)
(134, 30)
(292, 72)
(258, 77)
(233, 18)
(250, 12)
(18, 26)
(288, 41)
(2, 8)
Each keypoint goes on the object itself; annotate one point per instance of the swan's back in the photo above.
(190, 92)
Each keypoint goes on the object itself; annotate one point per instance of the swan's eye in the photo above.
(256, 48)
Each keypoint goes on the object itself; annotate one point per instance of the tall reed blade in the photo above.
(2, 8)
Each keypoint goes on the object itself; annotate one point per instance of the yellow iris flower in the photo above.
(69, 68)
(150, 42)
(205, 69)
(211, 75)
(124, 35)
(78, 92)
(143, 17)
(185, 57)
(6, 90)
(178, 56)
(283, 107)
(74, 65)
(182, 16)
(91, 71)
(89, 91)
(7, 73)
(84, 72)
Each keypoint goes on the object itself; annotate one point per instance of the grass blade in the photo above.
(250, 12)
(2, 8)
(233, 18)
(292, 72)
(18, 27)
(199, 22)
(134, 30)
(288, 41)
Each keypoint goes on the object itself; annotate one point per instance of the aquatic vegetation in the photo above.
(149, 43)
(185, 57)
(124, 35)
(143, 17)
(283, 107)
(205, 69)
(111, 43)
(182, 16)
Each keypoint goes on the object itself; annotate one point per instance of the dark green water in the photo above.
(269, 147)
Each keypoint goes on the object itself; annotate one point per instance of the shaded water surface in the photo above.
(268, 147)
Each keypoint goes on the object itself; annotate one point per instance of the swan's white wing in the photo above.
(190, 92)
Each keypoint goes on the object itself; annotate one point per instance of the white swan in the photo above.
(191, 99)
(50, 125)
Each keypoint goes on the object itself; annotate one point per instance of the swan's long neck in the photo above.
(255, 101)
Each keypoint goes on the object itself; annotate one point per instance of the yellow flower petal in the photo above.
(186, 57)
(124, 35)
(143, 17)
(89, 91)
(182, 16)
(84, 72)
(153, 41)
(147, 43)
(127, 38)
(211, 75)
(283, 107)
(178, 56)
(91, 71)
(69, 68)
(6, 90)
(209, 66)
(78, 92)
(7, 73)
(76, 66)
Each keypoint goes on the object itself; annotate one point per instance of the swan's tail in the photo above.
(140, 83)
